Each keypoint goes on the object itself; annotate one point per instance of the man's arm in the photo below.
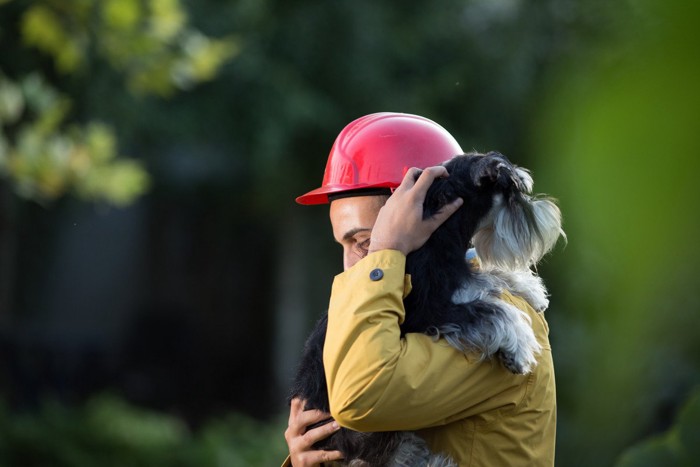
(378, 381)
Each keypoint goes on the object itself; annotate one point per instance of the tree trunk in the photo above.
(8, 251)
(291, 308)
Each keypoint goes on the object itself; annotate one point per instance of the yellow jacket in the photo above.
(475, 411)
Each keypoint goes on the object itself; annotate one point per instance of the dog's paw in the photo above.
(510, 362)
(519, 352)
(520, 362)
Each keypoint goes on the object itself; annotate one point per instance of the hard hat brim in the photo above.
(320, 195)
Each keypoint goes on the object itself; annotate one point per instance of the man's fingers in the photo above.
(421, 180)
(299, 418)
(296, 409)
(328, 456)
(321, 432)
(297, 405)
(446, 211)
(309, 417)
(317, 457)
(428, 177)
(301, 439)
(409, 179)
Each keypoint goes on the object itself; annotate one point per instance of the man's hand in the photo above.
(300, 441)
(400, 225)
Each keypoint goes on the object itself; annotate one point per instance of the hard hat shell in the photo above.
(376, 150)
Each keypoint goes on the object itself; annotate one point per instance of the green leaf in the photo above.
(42, 28)
(653, 453)
(122, 15)
(11, 101)
(689, 428)
(167, 19)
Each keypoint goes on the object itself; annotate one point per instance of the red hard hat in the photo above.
(375, 151)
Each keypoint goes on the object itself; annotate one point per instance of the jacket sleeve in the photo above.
(379, 381)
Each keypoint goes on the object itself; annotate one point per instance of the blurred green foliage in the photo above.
(149, 41)
(620, 148)
(677, 447)
(43, 150)
(108, 431)
(46, 160)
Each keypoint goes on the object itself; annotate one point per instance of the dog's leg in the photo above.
(492, 327)
(414, 452)
(522, 283)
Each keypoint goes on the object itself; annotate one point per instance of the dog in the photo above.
(456, 299)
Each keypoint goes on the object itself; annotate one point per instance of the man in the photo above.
(475, 411)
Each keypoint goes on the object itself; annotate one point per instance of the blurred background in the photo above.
(157, 280)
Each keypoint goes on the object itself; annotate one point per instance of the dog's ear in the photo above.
(495, 170)
(487, 169)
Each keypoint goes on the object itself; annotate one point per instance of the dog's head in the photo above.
(510, 228)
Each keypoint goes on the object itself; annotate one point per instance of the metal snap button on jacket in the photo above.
(376, 274)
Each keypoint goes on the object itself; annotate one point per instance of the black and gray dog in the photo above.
(456, 299)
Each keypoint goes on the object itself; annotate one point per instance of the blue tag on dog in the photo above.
(471, 254)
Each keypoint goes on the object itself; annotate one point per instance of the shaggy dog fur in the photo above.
(454, 298)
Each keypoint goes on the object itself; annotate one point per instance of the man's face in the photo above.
(352, 220)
